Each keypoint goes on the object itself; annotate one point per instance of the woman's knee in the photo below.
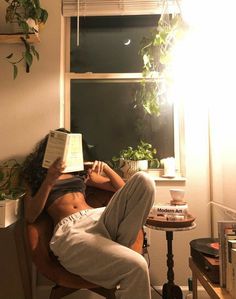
(145, 181)
(140, 268)
(137, 263)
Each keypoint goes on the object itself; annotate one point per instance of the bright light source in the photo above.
(204, 62)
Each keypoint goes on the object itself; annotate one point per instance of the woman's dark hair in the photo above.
(32, 171)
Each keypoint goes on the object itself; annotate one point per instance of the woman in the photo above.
(93, 243)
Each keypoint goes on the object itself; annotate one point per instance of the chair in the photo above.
(38, 235)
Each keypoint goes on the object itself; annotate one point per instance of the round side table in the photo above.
(170, 290)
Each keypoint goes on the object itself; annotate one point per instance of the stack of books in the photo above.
(170, 211)
(227, 255)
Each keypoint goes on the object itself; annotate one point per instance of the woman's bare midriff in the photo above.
(66, 205)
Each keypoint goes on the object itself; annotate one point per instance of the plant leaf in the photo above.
(35, 53)
(146, 60)
(38, 13)
(36, 2)
(15, 71)
(28, 58)
(26, 44)
(25, 27)
(1, 175)
(44, 16)
(9, 56)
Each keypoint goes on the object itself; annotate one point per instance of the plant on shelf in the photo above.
(28, 15)
(156, 55)
(132, 159)
(10, 183)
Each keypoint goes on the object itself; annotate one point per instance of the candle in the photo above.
(169, 166)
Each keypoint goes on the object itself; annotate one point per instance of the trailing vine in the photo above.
(156, 54)
(28, 15)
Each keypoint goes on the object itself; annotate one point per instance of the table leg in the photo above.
(194, 277)
(170, 290)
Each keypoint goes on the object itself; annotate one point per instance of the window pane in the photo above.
(109, 44)
(103, 112)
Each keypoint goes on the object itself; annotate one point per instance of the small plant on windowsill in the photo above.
(156, 55)
(131, 160)
(28, 15)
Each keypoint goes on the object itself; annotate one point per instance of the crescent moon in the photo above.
(126, 43)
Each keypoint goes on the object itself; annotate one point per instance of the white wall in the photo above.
(30, 106)
(196, 194)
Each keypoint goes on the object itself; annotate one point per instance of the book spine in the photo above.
(230, 244)
(233, 256)
(224, 228)
(169, 209)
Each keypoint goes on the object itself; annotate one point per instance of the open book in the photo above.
(68, 146)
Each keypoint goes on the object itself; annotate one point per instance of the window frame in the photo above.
(179, 140)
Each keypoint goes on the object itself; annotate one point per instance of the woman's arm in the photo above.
(35, 205)
(111, 182)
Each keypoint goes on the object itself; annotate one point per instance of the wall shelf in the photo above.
(14, 38)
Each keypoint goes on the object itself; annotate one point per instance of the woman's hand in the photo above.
(98, 167)
(96, 172)
(54, 171)
(101, 175)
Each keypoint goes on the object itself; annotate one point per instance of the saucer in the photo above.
(177, 203)
(168, 176)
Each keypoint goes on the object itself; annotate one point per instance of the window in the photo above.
(105, 72)
(109, 44)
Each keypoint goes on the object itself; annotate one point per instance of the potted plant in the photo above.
(10, 183)
(28, 15)
(131, 160)
(11, 192)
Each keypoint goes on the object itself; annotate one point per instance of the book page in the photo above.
(74, 153)
(55, 147)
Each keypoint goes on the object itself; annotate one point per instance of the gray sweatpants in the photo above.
(94, 243)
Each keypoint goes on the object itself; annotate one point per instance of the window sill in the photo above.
(157, 175)
(175, 179)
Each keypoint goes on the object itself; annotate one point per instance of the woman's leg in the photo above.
(128, 209)
(85, 248)
(101, 260)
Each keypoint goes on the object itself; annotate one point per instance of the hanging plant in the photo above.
(156, 54)
(28, 15)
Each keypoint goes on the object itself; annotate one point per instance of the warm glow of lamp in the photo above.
(204, 62)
